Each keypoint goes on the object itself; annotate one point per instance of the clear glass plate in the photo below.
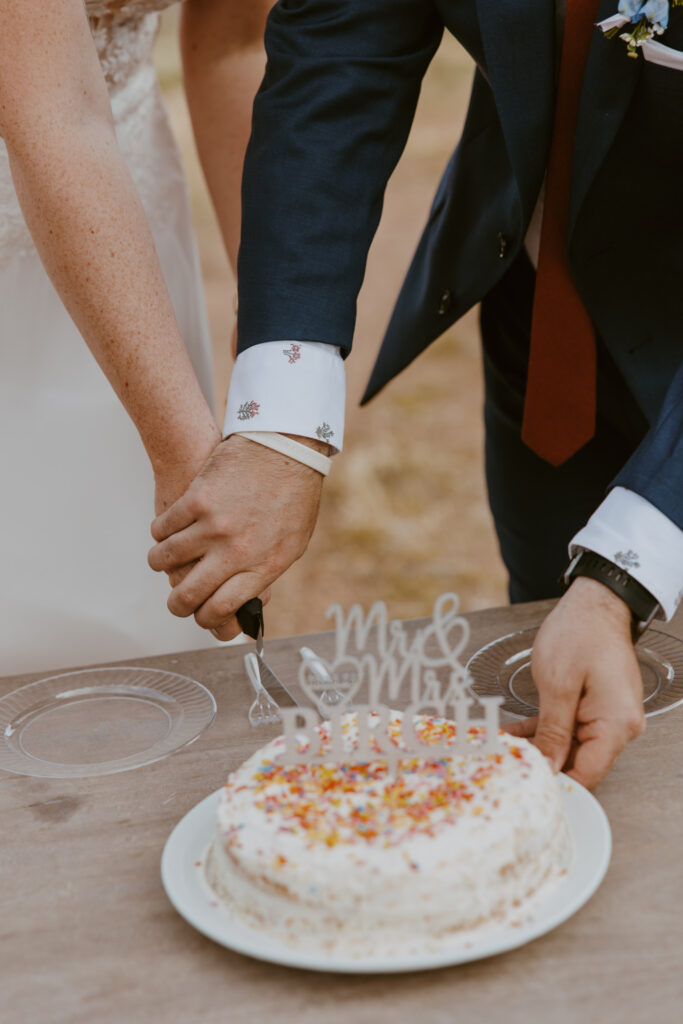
(100, 721)
(503, 668)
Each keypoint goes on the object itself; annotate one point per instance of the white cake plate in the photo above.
(182, 873)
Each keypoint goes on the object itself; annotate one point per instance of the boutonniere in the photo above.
(644, 21)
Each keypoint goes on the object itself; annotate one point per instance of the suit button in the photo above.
(502, 245)
(445, 302)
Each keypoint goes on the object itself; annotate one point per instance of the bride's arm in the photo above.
(223, 63)
(91, 232)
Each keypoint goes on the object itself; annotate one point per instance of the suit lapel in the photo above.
(608, 86)
(518, 38)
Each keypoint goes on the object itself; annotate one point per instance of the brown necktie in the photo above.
(559, 409)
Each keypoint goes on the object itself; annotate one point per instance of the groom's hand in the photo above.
(244, 520)
(589, 683)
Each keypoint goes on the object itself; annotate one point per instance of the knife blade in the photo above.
(250, 618)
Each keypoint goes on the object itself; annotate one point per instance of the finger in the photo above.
(590, 765)
(556, 718)
(571, 757)
(178, 517)
(525, 727)
(178, 550)
(202, 580)
(228, 631)
(600, 743)
(226, 601)
(178, 575)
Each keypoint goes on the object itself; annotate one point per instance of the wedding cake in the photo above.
(354, 856)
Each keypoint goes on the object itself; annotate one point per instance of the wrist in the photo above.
(171, 456)
(642, 605)
(598, 600)
(290, 448)
(311, 442)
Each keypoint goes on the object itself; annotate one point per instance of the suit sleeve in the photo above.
(655, 470)
(330, 122)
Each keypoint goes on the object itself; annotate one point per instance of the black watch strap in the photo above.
(642, 603)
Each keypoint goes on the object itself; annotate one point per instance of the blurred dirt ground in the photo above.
(404, 514)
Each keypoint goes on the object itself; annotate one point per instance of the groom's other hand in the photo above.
(247, 516)
(589, 683)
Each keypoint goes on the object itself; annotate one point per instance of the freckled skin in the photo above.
(90, 230)
(88, 225)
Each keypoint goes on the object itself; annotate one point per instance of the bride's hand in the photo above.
(171, 480)
(245, 519)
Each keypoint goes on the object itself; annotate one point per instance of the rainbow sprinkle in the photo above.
(365, 804)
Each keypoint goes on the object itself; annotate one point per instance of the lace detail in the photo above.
(125, 48)
(120, 9)
(124, 33)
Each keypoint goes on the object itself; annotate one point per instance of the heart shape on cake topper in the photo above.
(328, 685)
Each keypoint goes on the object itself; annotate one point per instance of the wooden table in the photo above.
(87, 934)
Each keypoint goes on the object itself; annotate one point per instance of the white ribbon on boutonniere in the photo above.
(646, 20)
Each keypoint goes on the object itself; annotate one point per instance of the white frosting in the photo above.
(349, 856)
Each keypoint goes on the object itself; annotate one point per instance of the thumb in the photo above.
(524, 727)
(556, 720)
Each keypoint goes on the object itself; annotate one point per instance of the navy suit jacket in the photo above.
(330, 122)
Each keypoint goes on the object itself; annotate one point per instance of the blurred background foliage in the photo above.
(404, 514)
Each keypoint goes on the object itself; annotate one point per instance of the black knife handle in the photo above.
(250, 617)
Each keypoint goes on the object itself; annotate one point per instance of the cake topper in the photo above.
(423, 668)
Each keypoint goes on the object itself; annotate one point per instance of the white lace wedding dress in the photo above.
(76, 488)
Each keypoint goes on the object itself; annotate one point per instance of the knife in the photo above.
(250, 618)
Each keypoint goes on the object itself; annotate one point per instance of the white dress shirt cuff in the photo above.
(629, 530)
(289, 387)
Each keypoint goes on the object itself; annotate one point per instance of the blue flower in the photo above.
(657, 13)
(647, 20)
(654, 11)
(632, 9)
